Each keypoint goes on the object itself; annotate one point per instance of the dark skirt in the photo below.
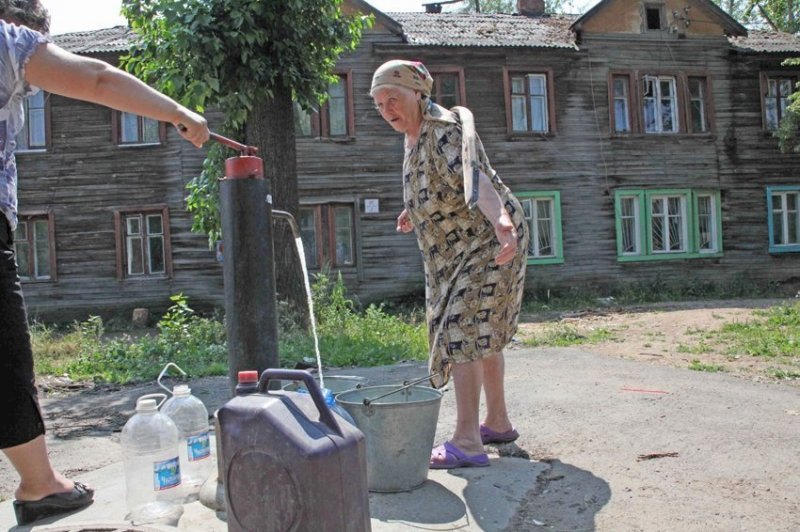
(20, 417)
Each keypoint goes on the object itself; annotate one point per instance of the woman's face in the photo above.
(399, 107)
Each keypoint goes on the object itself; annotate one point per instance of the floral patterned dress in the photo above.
(472, 304)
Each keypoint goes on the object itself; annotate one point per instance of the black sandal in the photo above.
(59, 503)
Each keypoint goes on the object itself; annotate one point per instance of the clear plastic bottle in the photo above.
(330, 400)
(191, 417)
(152, 469)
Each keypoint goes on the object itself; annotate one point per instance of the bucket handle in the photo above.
(325, 414)
(161, 396)
(164, 372)
(406, 385)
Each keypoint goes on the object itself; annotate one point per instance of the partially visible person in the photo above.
(29, 62)
(474, 258)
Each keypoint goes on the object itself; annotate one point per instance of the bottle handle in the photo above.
(161, 396)
(164, 371)
(325, 414)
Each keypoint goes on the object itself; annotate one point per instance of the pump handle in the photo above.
(246, 150)
(325, 414)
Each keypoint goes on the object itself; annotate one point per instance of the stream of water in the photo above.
(302, 253)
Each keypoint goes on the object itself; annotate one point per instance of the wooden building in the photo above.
(639, 137)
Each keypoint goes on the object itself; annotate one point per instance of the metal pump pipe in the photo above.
(249, 267)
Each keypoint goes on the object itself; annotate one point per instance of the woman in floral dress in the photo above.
(474, 258)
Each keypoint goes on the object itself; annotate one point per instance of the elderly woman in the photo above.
(474, 259)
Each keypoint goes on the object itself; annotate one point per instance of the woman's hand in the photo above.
(404, 224)
(192, 127)
(507, 236)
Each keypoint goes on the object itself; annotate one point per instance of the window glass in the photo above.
(697, 88)
(337, 108)
(705, 223)
(308, 234)
(629, 218)
(129, 128)
(150, 131)
(540, 216)
(41, 236)
(445, 90)
(302, 121)
(538, 99)
(621, 114)
(343, 235)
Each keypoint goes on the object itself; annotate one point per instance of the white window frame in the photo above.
(666, 217)
(657, 100)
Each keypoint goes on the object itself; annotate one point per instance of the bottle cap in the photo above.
(146, 405)
(248, 376)
(181, 390)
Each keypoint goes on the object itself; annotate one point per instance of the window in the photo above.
(130, 129)
(652, 15)
(698, 106)
(783, 206)
(776, 91)
(665, 103)
(328, 235)
(335, 117)
(529, 104)
(34, 134)
(448, 87)
(543, 214)
(659, 104)
(663, 224)
(143, 243)
(34, 243)
(620, 91)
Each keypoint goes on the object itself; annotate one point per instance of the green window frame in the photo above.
(783, 218)
(542, 211)
(667, 224)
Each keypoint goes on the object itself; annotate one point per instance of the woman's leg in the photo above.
(467, 378)
(494, 388)
(38, 479)
(21, 427)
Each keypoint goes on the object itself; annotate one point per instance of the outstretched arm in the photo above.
(60, 72)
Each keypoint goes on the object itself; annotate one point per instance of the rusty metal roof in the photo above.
(767, 41)
(107, 40)
(486, 30)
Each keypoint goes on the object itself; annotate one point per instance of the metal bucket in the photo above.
(399, 428)
(335, 383)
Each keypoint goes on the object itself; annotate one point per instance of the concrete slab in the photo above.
(467, 499)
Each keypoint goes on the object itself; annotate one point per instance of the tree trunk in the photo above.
(270, 127)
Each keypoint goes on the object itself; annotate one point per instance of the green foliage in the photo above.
(351, 338)
(506, 6)
(231, 55)
(561, 335)
(198, 345)
(774, 333)
(697, 365)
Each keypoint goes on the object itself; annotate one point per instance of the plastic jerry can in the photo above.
(290, 463)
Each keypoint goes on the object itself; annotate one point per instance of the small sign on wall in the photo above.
(371, 206)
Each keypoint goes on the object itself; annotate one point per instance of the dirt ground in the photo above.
(652, 333)
(669, 334)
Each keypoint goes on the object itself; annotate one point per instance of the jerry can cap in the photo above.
(248, 376)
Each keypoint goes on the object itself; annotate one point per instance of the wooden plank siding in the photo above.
(84, 176)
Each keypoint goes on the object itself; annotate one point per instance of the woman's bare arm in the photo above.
(60, 72)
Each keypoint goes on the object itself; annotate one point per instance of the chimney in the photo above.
(530, 8)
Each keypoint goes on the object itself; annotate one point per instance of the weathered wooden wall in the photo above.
(84, 176)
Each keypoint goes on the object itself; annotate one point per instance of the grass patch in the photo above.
(348, 337)
(697, 365)
(774, 332)
(566, 335)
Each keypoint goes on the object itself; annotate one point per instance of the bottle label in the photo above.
(166, 474)
(198, 447)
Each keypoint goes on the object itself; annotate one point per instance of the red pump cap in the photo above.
(248, 376)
